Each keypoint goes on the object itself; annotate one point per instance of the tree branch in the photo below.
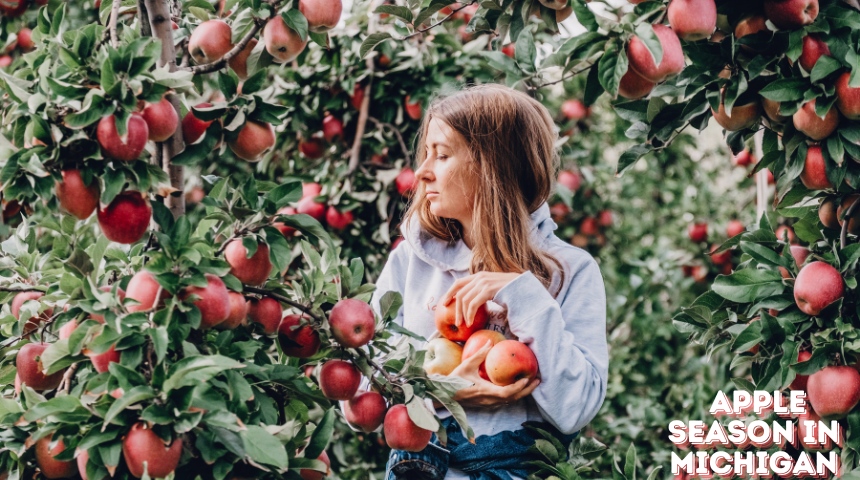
(143, 19)
(372, 363)
(281, 298)
(397, 134)
(10, 341)
(237, 49)
(843, 237)
(66, 383)
(563, 78)
(114, 16)
(23, 289)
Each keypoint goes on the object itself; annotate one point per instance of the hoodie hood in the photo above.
(456, 255)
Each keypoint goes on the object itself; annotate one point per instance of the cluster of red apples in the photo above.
(590, 227)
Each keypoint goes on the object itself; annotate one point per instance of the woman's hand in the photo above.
(484, 393)
(473, 291)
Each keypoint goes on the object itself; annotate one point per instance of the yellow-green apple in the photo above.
(339, 380)
(817, 286)
(574, 110)
(693, 20)
(214, 301)
(742, 116)
(30, 369)
(127, 147)
(476, 342)
(267, 312)
(143, 287)
(405, 181)
(141, 445)
(814, 174)
(286, 230)
(33, 322)
(791, 14)
(771, 111)
(854, 220)
(412, 109)
(192, 127)
(643, 63)
(442, 356)
(800, 381)
(634, 86)
(253, 141)
(813, 126)
(322, 15)
(301, 342)
(401, 433)
(800, 254)
(239, 63)
(76, 198)
(698, 232)
(238, 312)
(50, 466)
(308, 474)
(847, 98)
(833, 391)
(510, 361)
(312, 147)
(365, 410)
(161, 120)
(282, 42)
(735, 227)
(446, 318)
(332, 128)
(750, 26)
(786, 231)
(352, 323)
(571, 180)
(827, 213)
(308, 206)
(210, 41)
(252, 271)
(813, 48)
(126, 218)
(336, 219)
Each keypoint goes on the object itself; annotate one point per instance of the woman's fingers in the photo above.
(456, 286)
(530, 387)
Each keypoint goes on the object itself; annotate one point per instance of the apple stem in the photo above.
(372, 363)
(843, 236)
(283, 299)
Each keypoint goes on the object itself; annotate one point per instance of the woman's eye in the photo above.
(441, 157)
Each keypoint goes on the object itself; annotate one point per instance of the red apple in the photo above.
(50, 467)
(192, 127)
(312, 147)
(605, 218)
(750, 26)
(308, 474)
(847, 98)
(589, 226)
(817, 286)
(161, 119)
(413, 109)
(571, 180)
(239, 63)
(127, 147)
(834, 391)
(332, 127)
(720, 258)
(510, 361)
(744, 159)
(854, 220)
(813, 48)
(127, 217)
(827, 213)
(322, 15)
(772, 112)
(238, 312)
(800, 254)
(692, 20)
(282, 42)
(311, 190)
(791, 14)
(357, 96)
(308, 206)
(301, 342)
(143, 287)
(574, 110)
(784, 230)
(814, 174)
(5, 61)
(30, 368)
(251, 271)
(401, 433)
(446, 316)
(266, 311)
(742, 116)
(339, 380)
(338, 220)
(812, 125)
(281, 226)
(477, 341)
(634, 86)
(405, 181)
(214, 302)
(800, 381)
(25, 39)
(75, 197)
(210, 41)
(143, 445)
(643, 63)
(365, 411)
(33, 322)
(509, 50)
(253, 141)
(102, 361)
(698, 232)
(352, 323)
(442, 356)
(735, 228)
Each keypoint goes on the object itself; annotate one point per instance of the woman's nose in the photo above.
(425, 172)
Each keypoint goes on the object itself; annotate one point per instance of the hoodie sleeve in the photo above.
(568, 337)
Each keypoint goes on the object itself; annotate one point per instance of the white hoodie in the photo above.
(567, 333)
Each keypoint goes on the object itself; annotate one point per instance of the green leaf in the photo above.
(645, 32)
(631, 156)
(136, 394)
(263, 447)
(197, 369)
(747, 285)
(824, 67)
(584, 15)
(297, 21)
(322, 435)
(403, 12)
(371, 42)
(785, 90)
(611, 67)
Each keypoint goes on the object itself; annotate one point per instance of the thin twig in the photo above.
(672, 138)
(222, 62)
(372, 363)
(397, 134)
(26, 334)
(440, 22)
(22, 289)
(114, 16)
(563, 78)
(67, 377)
(281, 298)
(843, 237)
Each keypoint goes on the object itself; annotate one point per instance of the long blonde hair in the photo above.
(510, 139)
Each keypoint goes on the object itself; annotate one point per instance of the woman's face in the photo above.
(444, 173)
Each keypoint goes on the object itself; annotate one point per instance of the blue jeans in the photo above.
(492, 457)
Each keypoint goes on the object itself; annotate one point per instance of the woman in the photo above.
(478, 229)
